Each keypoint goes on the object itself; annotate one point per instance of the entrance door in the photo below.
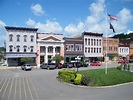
(41, 59)
(49, 58)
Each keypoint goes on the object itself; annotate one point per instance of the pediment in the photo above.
(50, 38)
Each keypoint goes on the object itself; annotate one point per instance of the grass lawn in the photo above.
(113, 77)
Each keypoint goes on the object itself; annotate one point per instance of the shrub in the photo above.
(67, 75)
(77, 80)
(86, 80)
(119, 67)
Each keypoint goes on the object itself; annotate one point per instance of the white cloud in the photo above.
(91, 24)
(30, 22)
(96, 21)
(49, 26)
(37, 9)
(2, 33)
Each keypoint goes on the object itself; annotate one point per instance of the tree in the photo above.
(27, 59)
(1, 57)
(58, 58)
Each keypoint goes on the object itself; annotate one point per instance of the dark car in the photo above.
(59, 65)
(48, 66)
(68, 65)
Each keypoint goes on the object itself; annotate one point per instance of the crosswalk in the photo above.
(14, 86)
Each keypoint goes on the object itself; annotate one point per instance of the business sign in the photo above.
(20, 55)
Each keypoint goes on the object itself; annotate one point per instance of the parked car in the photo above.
(26, 67)
(59, 65)
(68, 65)
(96, 63)
(48, 66)
(78, 64)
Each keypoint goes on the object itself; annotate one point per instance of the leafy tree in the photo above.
(27, 59)
(58, 58)
(1, 57)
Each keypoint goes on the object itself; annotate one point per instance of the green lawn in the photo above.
(113, 77)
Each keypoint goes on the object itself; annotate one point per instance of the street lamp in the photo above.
(77, 59)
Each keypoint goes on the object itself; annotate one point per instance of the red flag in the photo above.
(112, 17)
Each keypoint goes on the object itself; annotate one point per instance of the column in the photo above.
(46, 54)
(54, 52)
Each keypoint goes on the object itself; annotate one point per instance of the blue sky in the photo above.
(67, 17)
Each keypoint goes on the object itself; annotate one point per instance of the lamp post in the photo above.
(77, 59)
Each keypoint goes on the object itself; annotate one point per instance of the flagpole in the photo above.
(106, 45)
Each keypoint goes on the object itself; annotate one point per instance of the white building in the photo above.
(92, 45)
(20, 42)
(123, 52)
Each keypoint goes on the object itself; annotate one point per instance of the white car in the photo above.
(26, 67)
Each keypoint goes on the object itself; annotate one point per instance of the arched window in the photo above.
(25, 47)
(10, 37)
(31, 48)
(10, 48)
(32, 38)
(18, 48)
(18, 38)
(25, 38)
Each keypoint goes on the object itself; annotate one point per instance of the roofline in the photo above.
(51, 33)
(91, 33)
(20, 28)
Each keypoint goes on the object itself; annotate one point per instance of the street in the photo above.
(41, 84)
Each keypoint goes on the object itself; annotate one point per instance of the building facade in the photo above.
(20, 42)
(73, 48)
(92, 45)
(110, 46)
(49, 45)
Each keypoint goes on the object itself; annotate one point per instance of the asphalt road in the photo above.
(41, 84)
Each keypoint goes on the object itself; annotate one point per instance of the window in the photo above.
(99, 50)
(110, 48)
(88, 41)
(42, 49)
(25, 38)
(50, 49)
(18, 48)
(18, 38)
(100, 42)
(31, 47)
(91, 41)
(78, 47)
(25, 48)
(32, 38)
(10, 37)
(85, 49)
(88, 50)
(115, 48)
(10, 48)
(70, 47)
(57, 49)
(104, 48)
(85, 41)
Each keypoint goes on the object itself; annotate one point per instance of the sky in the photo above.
(67, 17)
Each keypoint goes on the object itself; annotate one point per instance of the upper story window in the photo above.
(78, 47)
(18, 48)
(50, 49)
(10, 48)
(70, 47)
(10, 37)
(42, 49)
(32, 38)
(18, 38)
(25, 47)
(25, 38)
(57, 49)
(31, 47)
